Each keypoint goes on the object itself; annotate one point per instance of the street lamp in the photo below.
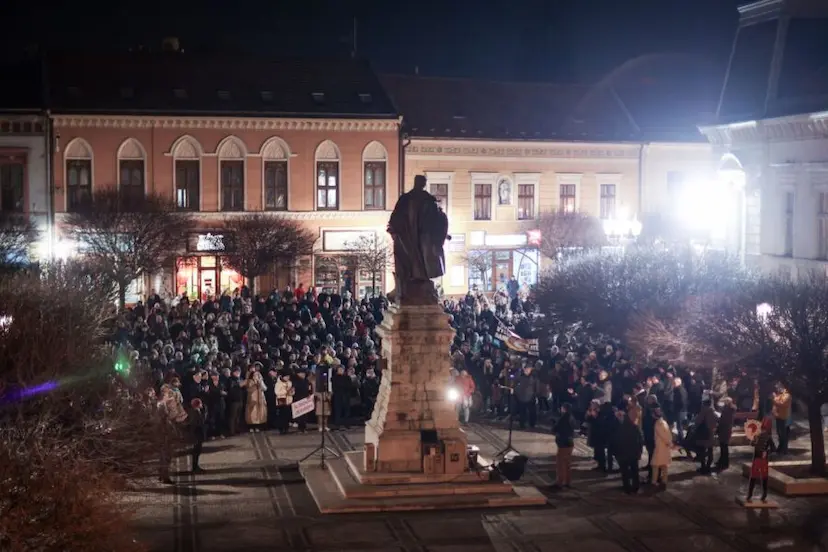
(763, 311)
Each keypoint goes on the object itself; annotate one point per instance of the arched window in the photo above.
(186, 152)
(131, 171)
(232, 154)
(374, 165)
(275, 155)
(327, 176)
(78, 158)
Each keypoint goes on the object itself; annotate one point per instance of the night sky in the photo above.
(539, 40)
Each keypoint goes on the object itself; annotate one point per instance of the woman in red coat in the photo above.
(762, 447)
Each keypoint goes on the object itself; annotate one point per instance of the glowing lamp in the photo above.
(453, 394)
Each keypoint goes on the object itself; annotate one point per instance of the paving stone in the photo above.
(461, 548)
(550, 524)
(663, 521)
(353, 532)
(687, 543)
(223, 540)
(581, 545)
(430, 529)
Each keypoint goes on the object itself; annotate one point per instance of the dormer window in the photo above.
(365, 98)
(180, 93)
(267, 96)
(223, 94)
(318, 97)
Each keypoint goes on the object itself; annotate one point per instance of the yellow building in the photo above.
(497, 155)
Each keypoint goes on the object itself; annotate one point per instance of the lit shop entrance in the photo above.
(203, 276)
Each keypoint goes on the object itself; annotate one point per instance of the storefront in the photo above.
(336, 264)
(201, 273)
(494, 259)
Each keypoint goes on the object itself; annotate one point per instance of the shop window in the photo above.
(232, 185)
(375, 185)
(480, 270)
(526, 201)
(327, 185)
(567, 198)
(276, 185)
(78, 183)
(482, 202)
(132, 180)
(11, 184)
(187, 184)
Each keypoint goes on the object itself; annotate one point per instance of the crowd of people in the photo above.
(238, 361)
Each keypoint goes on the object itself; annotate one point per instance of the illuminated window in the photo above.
(78, 182)
(232, 185)
(567, 198)
(327, 185)
(276, 185)
(607, 201)
(374, 184)
(526, 201)
(482, 202)
(440, 191)
(187, 185)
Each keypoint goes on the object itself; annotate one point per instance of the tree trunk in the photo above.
(251, 285)
(122, 289)
(817, 437)
(373, 284)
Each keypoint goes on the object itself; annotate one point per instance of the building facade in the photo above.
(496, 169)
(239, 152)
(771, 137)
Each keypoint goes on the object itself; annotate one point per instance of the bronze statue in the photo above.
(419, 228)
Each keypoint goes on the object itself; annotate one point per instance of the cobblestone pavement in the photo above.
(252, 498)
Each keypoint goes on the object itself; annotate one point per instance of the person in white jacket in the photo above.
(284, 397)
(663, 454)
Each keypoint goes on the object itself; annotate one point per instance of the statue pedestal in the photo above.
(415, 455)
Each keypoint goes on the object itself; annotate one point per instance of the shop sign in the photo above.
(344, 240)
(505, 240)
(208, 243)
(457, 243)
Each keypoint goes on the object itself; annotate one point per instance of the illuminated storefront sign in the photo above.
(209, 243)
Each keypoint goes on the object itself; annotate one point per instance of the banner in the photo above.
(512, 341)
(302, 407)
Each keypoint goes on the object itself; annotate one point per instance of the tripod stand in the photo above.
(322, 450)
(509, 448)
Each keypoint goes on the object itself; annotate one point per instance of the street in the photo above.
(253, 498)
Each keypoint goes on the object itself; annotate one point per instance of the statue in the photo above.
(419, 228)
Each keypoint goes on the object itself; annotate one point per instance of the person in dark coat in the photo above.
(648, 421)
(565, 441)
(302, 390)
(526, 394)
(725, 432)
(705, 430)
(234, 400)
(605, 426)
(197, 419)
(628, 446)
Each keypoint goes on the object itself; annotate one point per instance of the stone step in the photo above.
(356, 464)
(330, 500)
(350, 487)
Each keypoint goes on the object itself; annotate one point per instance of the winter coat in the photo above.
(628, 442)
(323, 404)
(565, 431)
(256, 411)
(173, 403)
(526, 388)
(706, 423)
(725, 428)
(663, 454)
(284, 392)
(782, 405)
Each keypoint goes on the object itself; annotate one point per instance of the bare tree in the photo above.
(70, 441)
(479, 262)
(258, 242)
(17, 235)
(786, 341)
(128, 239)
(561, 231)
(373, 255)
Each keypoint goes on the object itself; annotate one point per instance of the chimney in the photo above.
(171, 44)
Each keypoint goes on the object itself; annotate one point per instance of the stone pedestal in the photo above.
(412, 411)
(413, 393)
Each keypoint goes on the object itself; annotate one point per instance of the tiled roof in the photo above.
(473, 109)
(183, 84)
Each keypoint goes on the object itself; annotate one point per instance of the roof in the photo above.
(173, 83)
(474, 109)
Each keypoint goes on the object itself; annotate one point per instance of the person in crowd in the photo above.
(628, 444)
(284, 393)
(197, 419)
(648, 429)
(526, 394)
(705, 431)
(234, 400)
(172, 404)
(301, 390)
(679, 407)
(782, 415)
(216, 405)
(565, 442)
(255, 414)
(725, 432)
(466, 387)
(763, 445)
(342, 386)
(663, 452)
(369, 392)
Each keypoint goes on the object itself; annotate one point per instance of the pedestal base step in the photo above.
(356, 463)
(757, 504)
(334, 493)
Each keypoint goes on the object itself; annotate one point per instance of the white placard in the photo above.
(302, 407)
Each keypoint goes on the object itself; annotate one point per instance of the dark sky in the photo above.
(548, 40)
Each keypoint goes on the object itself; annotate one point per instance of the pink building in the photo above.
(318, 142)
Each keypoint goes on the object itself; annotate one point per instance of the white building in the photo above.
(771, 136)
